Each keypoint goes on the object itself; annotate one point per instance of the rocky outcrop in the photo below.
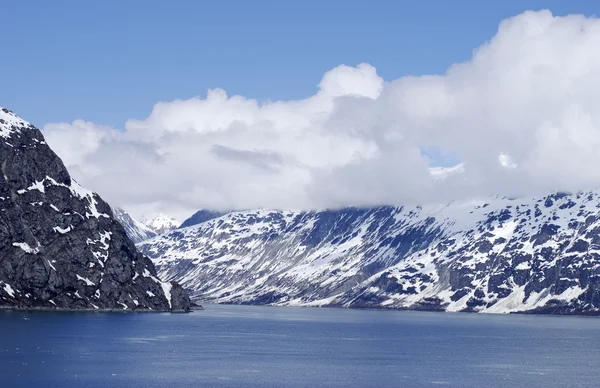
(60, 246)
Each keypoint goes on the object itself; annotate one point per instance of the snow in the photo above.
(83, 193)
(150, 294)
(9, 290)
(75, 188)
(10, 123)
(147, 274)
(161, 223)
(514, 302)
(523, 266)
(37, 185)
(166, 286)
(441, 173)
(61, 230)
(136, 230)
(26, 248)
(50, 264)
(86, 280)
(100, 247)
(248, 254)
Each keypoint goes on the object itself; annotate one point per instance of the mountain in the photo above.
(442, 173)
(60, 246)
(201, 216)
(136, 231)
(160, 223)
(539, 255)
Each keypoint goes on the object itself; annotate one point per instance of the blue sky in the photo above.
(111, 61)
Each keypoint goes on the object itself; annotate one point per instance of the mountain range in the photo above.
(496, 255)
(149, 228)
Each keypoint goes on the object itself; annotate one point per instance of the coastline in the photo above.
(98, 310)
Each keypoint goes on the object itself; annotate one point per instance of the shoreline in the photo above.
(538, 311)
(93, 310)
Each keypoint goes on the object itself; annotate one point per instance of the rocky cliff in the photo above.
(60, 246)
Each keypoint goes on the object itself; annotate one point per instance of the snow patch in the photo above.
(10, 123)
(86, 280)
(26, 248)
(9, 290)
(167, 286)
(61, 230)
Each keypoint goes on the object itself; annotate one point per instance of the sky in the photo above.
(176, 106)
(111, 61)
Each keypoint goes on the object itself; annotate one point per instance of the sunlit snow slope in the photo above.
(498, 255)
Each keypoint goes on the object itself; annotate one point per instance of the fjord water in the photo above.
(251, 346)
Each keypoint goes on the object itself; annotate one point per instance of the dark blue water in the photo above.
(240, 346)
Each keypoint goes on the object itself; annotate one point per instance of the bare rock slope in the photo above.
(60, 246)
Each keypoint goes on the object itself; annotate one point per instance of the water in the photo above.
(244, 346)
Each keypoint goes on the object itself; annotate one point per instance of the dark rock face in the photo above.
(179, 298)
(199, 217)
(538, 255)
(60, 246)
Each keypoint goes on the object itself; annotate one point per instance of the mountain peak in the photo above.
(160, 223)
(11, 123)
(60, 244)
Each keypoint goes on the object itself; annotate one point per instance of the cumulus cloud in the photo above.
(522, 115)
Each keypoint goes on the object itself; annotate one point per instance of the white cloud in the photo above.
(527, 99)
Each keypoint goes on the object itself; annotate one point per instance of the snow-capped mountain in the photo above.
(200, 216)
(135, 230)
(499, 255)
(60, 246)
(160, 223)
(440, 173)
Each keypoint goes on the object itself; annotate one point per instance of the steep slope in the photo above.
(201, 216)
(136, 231)
(60, 246)
(501, 255)
(160, 223)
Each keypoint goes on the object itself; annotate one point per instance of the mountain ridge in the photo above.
(135, 230)
(492, 255)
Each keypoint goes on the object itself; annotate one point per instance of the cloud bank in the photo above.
(523, 115)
